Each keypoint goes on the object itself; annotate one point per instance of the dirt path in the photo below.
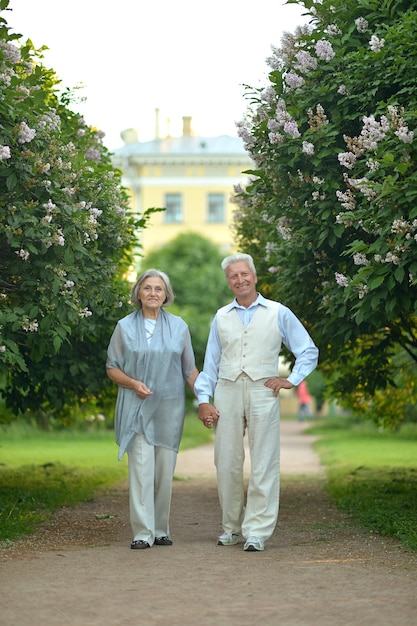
(319, 568)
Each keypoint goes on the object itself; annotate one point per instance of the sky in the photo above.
(183, 57)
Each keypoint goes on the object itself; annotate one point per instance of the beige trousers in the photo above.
(151, 470)
(246, 404)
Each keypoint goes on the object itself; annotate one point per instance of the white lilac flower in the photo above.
(3, 348)
(24, 254)
(404, 134)
(392, 258)
(11, 52)
(361, 24)
(343, 218)
(293, 80)
(364, 186)
(50, 120)
(333, 30)
(28, 326)
(282, 114)
(347, 159)
(324, 50)
(305, 61)
(85, 312)
(372, 165)
(270, 248)
(274, 61)
(341, 279)
(292, 129)
(93, 154)
(308, 148)
(346, 199)
(400, 226)
(26, 134)
(360, 259)
(283, 229)
(49, 206)
(342, 90)
(275, 138)
(59, 238)
(4, 153)
(363, 290)
(23, 91)
(376, 44)
(273, 125)
(268, 95)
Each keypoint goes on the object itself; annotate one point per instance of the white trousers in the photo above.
(247, 404)
(151, 470)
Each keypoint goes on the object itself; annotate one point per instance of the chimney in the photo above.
(186, 126)
(157, 132)
(130, 135)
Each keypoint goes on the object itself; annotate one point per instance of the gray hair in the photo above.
(239, 256)
(169, 293)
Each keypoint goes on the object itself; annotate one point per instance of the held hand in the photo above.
(208, 414)
(276, 384)
(141, 390)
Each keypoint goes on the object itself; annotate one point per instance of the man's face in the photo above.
(241, 280)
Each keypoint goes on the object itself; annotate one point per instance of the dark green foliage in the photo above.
(193, 264)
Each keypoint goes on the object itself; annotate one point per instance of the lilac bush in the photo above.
(331, 212)
(66, 239)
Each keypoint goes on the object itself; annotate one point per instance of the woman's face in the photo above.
(152, 295)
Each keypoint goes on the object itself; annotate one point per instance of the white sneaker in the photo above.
(227, 539)
(254, 544)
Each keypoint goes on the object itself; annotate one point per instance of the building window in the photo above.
(215, 210)
(173, 206)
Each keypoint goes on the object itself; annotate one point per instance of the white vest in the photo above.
(253, 350)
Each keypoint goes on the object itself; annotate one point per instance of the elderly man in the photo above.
(240, 373)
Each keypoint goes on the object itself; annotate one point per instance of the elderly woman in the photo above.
(149, 357)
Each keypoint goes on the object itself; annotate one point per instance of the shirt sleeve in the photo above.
(296, 338)
(207, 379)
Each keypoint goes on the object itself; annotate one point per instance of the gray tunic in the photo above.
(163, 365)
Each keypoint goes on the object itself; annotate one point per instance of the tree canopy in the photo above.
(66, 239)
(193, 264)
(330, 215)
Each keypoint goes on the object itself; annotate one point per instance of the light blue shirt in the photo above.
(294, 336)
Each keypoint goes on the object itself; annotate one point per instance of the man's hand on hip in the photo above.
(277, 384)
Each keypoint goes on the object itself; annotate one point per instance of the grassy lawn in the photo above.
(372, 475)
(42, 471)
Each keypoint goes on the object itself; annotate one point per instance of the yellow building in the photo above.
(192, 177)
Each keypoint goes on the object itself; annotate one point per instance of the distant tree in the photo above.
(193, 264)
(331, 213)
(66, 240)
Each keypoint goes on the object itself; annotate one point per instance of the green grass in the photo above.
(372, 475)
(42, 471)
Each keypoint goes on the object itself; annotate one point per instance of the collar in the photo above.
(260, 300)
